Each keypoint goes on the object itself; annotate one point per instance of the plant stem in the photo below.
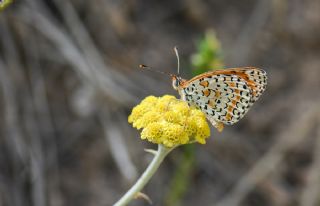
(145, 177)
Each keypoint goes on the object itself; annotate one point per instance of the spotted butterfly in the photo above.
(224, 96)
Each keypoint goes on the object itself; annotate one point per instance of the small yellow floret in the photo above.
(169, 121)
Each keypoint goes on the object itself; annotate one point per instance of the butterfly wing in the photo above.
(225, 95)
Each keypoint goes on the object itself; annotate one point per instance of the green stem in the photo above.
(145, 177)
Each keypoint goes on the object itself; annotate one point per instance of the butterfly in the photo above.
(225, 95)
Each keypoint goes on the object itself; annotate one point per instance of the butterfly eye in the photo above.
(175, 82)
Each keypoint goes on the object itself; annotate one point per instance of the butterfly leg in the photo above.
(219, 126)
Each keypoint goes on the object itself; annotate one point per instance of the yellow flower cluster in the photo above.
(169, 121)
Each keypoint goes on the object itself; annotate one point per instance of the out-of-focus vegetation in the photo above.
(69, 78)
(208, 56)
(4, 4)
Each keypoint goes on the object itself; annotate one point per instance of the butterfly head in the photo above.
(176, 81)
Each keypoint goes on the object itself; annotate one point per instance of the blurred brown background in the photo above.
(69, 79)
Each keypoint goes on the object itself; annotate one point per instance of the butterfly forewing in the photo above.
(225, 95)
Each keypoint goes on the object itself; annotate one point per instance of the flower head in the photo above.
(169, 121)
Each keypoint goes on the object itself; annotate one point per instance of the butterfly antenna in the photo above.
(177, 54)
(142, 66)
